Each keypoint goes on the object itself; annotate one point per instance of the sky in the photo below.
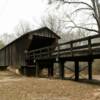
(13, 11)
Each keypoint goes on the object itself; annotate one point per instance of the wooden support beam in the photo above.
(90, 70)
(61, 70)
(24, 71)
(52, 70)
(49, 72)
(76, 70)
(37, 69)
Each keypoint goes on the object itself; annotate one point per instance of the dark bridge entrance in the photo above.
(40, 41)
(36, 43)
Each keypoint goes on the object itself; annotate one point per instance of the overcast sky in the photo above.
(12, 11)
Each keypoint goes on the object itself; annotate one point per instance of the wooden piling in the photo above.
(49, 72)
(50, 69)
(61, 70)
(76, 70)
(25, 71)
(37, 69)
(90, 70)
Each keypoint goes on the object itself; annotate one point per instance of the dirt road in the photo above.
(14, 87)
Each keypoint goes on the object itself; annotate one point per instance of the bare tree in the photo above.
(56, 21)
(93, 8)
(51, 21)
(1, 44)
(22, 28)
(7, 38)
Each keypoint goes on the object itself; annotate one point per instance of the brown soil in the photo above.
(15, 87)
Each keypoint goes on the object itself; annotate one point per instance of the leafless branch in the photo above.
(80, 9)
(79, 3)
(80, 27)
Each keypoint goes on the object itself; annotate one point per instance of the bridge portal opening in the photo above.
(37, 42)
(40, 42)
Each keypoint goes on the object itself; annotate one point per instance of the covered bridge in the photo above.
(13, 54)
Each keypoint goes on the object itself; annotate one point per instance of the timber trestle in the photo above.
(81, 50)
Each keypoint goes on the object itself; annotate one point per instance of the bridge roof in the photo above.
(37, 32)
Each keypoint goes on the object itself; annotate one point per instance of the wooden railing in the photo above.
(85, 46)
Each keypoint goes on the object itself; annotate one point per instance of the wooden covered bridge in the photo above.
(40, 49)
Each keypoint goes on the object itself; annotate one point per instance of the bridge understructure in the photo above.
(81, 50)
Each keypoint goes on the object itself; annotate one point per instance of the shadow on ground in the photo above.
(86, 81)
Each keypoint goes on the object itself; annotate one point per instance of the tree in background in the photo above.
(21, 28)
(7, 38)
(1, 44)
(59, 21)
(91, 8)
(52, 22)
